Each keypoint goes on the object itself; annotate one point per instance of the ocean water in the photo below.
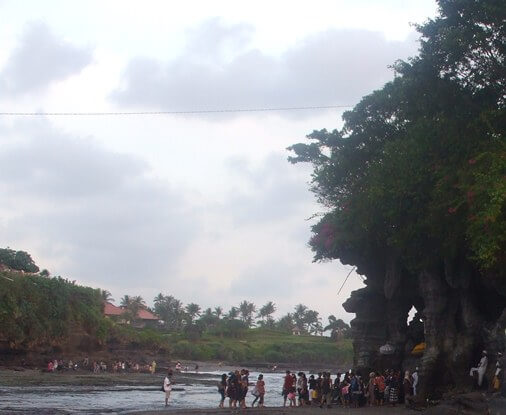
(124, 399)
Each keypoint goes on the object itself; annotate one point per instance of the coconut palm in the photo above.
(218, 311)
(106, 296)
(265, 314)
(192, 311)
(233, 313)
(246, 310)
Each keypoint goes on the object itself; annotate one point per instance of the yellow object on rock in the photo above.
(418, 349)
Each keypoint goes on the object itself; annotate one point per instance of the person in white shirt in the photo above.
(415, 380)
(481, 369)
(167, 386)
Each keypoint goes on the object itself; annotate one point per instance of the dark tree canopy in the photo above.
(17, 260)
(421, 163)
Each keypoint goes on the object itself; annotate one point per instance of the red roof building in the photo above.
(145, 316)
(112, 310)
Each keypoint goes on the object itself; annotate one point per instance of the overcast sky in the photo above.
(203, 207)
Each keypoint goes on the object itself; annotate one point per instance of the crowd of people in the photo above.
(323, 390)
(98, 366)
(349, 389)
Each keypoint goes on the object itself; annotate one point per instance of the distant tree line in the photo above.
(190, 319)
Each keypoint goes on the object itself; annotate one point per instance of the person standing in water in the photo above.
(222, 386)
(167, 386)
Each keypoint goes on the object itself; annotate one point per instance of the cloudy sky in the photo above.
(202, 207)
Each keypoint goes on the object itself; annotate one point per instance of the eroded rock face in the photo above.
(459, 315)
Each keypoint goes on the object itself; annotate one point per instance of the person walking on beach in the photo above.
(259, 392)
(167, 386)
(222, 386)
(244, 387)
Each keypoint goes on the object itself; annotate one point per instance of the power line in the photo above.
(346, 279)
(189, 112)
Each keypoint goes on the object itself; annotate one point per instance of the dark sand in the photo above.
(288, 411)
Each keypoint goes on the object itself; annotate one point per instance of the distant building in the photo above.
(144, 318)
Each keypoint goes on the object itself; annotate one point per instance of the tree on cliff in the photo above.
(415, 192)
(17, 260)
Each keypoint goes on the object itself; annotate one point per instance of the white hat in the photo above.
(484, 352)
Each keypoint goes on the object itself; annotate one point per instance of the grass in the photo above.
(264, 346)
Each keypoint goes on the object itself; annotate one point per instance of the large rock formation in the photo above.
(460, 312)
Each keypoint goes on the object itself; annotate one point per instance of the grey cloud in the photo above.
(276, 191)
(95, 211)
(332, 67)
(40, 59)
(268, 280)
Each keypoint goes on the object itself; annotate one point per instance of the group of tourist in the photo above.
(348, 389)
(235, 386)
(98, 366)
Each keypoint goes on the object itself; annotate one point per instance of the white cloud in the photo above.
(40, 59)
(331, 67)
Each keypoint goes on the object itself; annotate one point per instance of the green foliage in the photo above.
(262, 345)
(417, 172)
(17, 260)
(42, 311)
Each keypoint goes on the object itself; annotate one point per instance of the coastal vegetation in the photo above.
(39, 312)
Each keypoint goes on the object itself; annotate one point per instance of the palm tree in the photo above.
(233, 313)
(106, 296)
(247, 309)
(132, 305)
(265, 314)
(312, 321)
(299, 317)
(192, 310)
(285, 323)
(218, 311)
(125, 301)
(159, 299)
(337, 327)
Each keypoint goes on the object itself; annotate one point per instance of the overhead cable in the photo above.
(186, 112)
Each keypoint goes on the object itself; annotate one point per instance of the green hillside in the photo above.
(39, 314)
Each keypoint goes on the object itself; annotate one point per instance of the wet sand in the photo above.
(285, 411)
